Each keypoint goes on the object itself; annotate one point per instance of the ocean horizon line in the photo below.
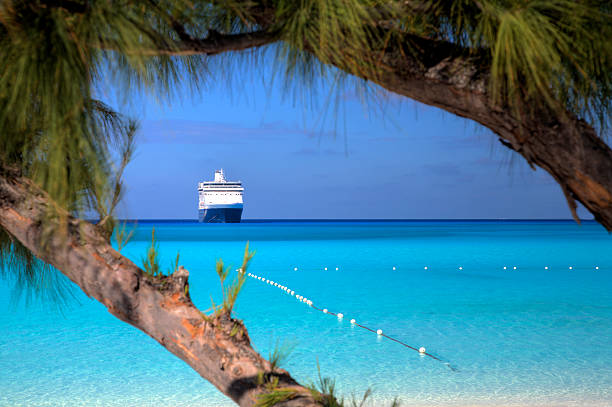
(331, 220)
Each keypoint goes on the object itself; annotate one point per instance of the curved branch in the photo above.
(438, 74)
(217, 347)
(214, 43)
(444, 75)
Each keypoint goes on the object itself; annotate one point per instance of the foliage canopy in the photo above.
(59, 58)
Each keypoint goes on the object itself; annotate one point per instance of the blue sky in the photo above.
(387, 157)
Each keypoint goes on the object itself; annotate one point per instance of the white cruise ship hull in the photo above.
(220, 201)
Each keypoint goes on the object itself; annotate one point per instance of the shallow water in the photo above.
(524, 336)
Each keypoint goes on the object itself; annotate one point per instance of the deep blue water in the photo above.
(524, 336)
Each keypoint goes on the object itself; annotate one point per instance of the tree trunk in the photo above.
(567, 147)
(217, 347)
(444, 75)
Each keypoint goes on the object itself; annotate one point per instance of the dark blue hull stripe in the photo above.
(220, 215)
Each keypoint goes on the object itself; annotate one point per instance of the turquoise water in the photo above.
(528, 336)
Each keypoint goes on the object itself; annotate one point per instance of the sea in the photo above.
(516, 313)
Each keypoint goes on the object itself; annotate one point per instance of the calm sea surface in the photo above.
(524, 336)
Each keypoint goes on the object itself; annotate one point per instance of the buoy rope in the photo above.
(341, 316)
(383, 334)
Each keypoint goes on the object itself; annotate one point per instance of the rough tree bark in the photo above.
(441, 75)
(218, 348)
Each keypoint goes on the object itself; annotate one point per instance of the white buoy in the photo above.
(325, 268)
(379, 332)
(336, 268)
(546, 268)
(460, 268)
(570, 267)
(292, 292)
(596, 267)
(514, 267)
(425, 268)
(422, 350)
(295, 269)
(505, 267)
(340, 316)
(393, 267)
(325, 310)
(353, 321)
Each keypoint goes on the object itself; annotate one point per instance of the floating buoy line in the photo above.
(422, 350)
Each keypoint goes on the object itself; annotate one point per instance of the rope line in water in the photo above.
(382, 334)
(379, 332)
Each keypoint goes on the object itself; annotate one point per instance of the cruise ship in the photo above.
(220, 200)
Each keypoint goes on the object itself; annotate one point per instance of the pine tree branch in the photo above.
(161, 307)
(444, 75)
(456, 79)
(214, 43)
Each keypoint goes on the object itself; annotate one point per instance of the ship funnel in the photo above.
(219, 177)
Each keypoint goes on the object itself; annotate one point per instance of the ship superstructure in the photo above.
(220, 200)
